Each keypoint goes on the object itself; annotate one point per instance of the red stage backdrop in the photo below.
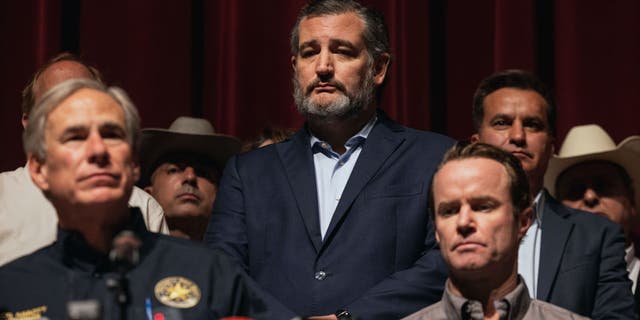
(228, 60)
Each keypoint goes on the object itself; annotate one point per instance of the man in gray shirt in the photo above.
(481, 207)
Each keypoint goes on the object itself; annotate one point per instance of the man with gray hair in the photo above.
(81, 148)
(332, 221)
(28, 219)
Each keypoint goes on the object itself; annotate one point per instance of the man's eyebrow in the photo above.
(74, 129)
(111, 125)
(341, 42)
(502, 115)
(309, 43)
(483, 199)
(447, 204)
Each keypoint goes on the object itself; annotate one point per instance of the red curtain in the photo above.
(228, 60)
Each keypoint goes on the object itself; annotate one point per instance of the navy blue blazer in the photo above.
(379, 258)
(582, 266)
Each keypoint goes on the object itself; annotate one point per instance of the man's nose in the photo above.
(465, 221)
(590, 197)
(97, 149)
(324, 65)
(517, 135)
(189, 175)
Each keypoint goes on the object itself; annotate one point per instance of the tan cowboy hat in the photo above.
(185, 135)
(591, 142)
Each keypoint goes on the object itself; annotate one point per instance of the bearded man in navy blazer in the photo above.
(570, 258)
(333, 221)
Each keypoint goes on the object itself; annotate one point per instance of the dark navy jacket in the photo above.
(68, 270)
(379, 258)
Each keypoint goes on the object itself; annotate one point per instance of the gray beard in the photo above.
(346, 106)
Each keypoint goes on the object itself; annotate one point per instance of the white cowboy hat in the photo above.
(591, 142)
(185, 135)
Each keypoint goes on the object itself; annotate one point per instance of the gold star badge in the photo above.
(177, 292)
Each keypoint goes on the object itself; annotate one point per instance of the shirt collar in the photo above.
(364, 133)
(76, 253)
(512, 306)
(630, 254)
(538, 206)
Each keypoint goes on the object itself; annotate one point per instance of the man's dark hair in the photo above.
(517, 79)
(518, 181)
(28, 96)
(376, 36)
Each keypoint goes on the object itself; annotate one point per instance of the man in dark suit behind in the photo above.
(568, 257)
(333, 221)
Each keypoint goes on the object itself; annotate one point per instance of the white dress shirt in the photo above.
(529, 252)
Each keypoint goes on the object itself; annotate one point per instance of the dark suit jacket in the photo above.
(379, 258)
(582, 266)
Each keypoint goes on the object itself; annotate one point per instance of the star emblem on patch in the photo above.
(177, 292)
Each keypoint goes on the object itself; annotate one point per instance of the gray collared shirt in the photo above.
(516, 305)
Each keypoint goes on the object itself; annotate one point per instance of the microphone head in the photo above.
(125, 250)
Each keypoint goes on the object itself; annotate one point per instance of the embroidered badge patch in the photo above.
(34, 313)
(177, 292)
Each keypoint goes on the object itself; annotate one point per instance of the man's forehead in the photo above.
(346, 25)
(480, 171)
(525, 101)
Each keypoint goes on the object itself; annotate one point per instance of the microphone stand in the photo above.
(124, 256)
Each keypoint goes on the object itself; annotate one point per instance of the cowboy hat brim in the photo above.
(156, 143)
(626, 154)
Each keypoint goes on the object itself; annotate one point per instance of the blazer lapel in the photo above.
(555, 233)
(380, 144)
(297, 161)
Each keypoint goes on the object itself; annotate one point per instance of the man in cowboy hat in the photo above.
(181, 168)
(591, 173)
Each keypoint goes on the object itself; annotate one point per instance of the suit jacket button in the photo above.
(320, 275)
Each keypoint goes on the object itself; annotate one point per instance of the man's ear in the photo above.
(149, 189)
(380, 68)
(136, 172)
(24, 120)
(475, 138)
(525, 218)
(38, 171)
(293, 63)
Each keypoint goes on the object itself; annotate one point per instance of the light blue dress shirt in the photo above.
(333, 171)
(529, 252)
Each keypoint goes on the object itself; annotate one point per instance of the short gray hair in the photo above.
(33, 138)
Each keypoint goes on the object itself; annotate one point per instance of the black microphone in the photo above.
(125, 251)
(124, 256)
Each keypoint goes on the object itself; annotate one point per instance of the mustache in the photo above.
(335, 83)
(189, 189)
